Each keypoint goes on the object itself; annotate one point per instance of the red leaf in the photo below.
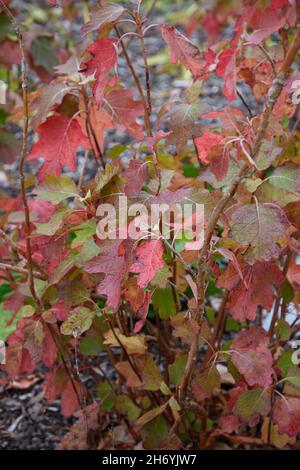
(227, 254)
(142, 313)
(264, 24)
(9, 53)
(49, 349)
(113, 266)
(103, 58)
(59, 138)
(13, 359)
(153, 141)
(260, 279)
(252, 358)
(60, 310)
(149, 261)
(69, 400)
(251, 338)
(230, 423)
(286, 414)
(136, 175)
(181, 49)
(124, 111)
(205, 143)
(100, 122)
(226, 69)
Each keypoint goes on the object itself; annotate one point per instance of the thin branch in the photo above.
(91, 132)
(244, 103)
(9, 241)
(147, 71)
(10, 267)
(137, 82)
(24, 152)
(279, 295)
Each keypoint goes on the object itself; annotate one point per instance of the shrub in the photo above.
(187, 341)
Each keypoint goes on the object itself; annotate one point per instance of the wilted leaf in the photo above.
(262, 227)
(150, 415)
(205, 382)
(125, 369)
(103, 178)
(184, 328)
(50, 95)
(276, 439)
(80, 320)
(101, 16)
(182, 123)
(152, 378)
(132, 344)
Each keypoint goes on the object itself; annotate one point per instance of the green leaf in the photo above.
(150, 415)
(252, 404)
(87, 252)
(26, 311)
(103, 178)
(162, 276)
(116, 151)
(91, 344)
(126, 405)
(154, 433)
(286, 177)
(79, 320)
(262, 226)
(267, 155)
(151, 375)
(43, 53)
(177, 368)
(287, 292)
(56, 189)
(5, 26)
(285, 362)
(83, 232)
(55, 223)
(293, 376)
(282, 330)
(163, 302)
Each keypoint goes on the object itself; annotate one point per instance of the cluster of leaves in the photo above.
(198, 341)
